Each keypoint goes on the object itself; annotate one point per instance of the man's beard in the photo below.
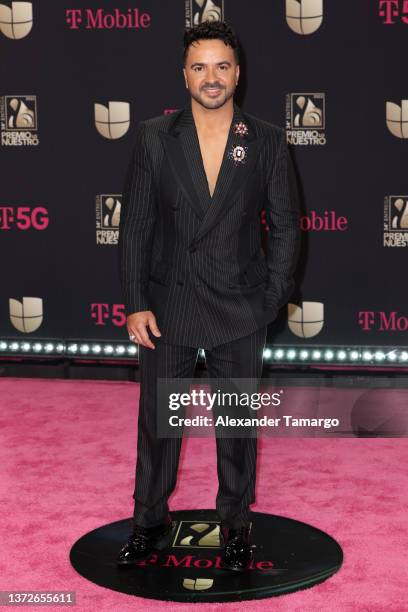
(212, 103)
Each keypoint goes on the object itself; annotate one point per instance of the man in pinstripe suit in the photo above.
(194, 273)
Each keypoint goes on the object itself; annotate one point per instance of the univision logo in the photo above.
(397, 118)
(112, 121)
(27, 315)
(16, 22)
(304, 16)
(307, 320)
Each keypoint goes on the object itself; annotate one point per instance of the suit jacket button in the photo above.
(192, 249)
(180, 282)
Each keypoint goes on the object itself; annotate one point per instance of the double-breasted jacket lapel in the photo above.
(183, 153)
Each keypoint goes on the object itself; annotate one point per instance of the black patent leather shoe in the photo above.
(144, 540)
(237, 551)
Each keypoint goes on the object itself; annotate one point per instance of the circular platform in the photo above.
(288, 556)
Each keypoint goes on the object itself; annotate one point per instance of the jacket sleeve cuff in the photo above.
(136, 303)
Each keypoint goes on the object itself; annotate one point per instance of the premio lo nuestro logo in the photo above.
(397, 118)
(306, 118)
(304, 16)
(26, 315)
(108, 208)
(112, 121)
(16, 21)
(198, 11)
(19, 122)
(307, 320)
(395, 221)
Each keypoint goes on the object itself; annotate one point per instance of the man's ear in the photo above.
(237, 73)
(185, 77)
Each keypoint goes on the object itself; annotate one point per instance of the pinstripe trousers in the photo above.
(158, 458)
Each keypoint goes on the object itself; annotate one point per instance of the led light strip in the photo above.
(286, 355)
(338, 355)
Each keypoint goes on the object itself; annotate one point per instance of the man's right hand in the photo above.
(137, 323)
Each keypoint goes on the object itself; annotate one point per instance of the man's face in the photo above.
(211, 72)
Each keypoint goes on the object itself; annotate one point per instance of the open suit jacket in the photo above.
(197, 261)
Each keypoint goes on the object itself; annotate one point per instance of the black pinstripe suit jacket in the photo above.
(197, 261)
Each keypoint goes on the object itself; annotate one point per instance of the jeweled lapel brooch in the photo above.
(241, 128)
(238, 154)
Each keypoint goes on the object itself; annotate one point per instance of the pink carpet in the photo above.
(68, 456)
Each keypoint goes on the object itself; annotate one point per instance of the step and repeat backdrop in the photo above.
(77, 77)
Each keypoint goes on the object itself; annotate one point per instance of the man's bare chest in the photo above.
(212, 153)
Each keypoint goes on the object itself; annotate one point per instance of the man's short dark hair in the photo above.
(209, 30)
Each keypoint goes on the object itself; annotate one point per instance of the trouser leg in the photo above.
(236, 457)
(157, 458)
